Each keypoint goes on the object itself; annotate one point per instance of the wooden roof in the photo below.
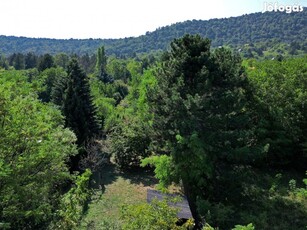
(182, 205)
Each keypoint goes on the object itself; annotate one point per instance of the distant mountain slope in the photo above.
(234, 31)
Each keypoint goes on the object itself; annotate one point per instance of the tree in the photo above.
(18, 61)
(280, 89)
(131, 131)
(74, 98)
(62, 60)
(73, 204)
(45, 62)
(201, 116)
(101, 62)
(3, 62)
(117, 68)
(34, 149)
(101, 66)
(31, 60)
(50, 77)
(130, 140)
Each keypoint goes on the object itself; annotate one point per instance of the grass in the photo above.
(112, 189)
(258, 196)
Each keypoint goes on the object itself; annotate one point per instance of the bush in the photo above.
(73, 204)
(157, 215)
(247, 227)
(129, 143)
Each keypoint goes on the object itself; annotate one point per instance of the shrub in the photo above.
(157, 215)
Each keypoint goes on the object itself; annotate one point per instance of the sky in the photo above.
(67, 19)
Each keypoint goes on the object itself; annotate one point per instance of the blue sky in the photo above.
(113, 18)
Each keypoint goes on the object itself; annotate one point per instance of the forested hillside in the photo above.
(84, 137)
(212, 112)
(254, 34)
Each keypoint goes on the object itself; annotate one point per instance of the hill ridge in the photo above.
(232, 31)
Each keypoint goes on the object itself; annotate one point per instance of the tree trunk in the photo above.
(188, 190)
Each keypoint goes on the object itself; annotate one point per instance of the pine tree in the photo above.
(73, 96)
(201, 115)
(58, 90)
(78, 105)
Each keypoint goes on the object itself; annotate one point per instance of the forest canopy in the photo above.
(220, 122)
(257, 30)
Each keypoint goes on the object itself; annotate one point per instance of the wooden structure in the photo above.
(182, 205)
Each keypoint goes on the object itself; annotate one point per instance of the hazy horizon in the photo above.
(113, 19)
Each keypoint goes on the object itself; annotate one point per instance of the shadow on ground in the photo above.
(111, 172)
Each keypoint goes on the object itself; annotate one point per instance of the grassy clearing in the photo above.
(264, 199)
(113, 189)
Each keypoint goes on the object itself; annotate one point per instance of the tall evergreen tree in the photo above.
(73, 96)
(201, 116)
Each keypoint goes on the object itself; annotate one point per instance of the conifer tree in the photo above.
(78, 106)
(73, 96)
(201, 116)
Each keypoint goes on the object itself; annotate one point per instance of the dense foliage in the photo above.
(229, 134)
(201, 116)
(74, 99)
(73, 204)
(281, 91)
(131, 134)
(154, 216)
(34, 150)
